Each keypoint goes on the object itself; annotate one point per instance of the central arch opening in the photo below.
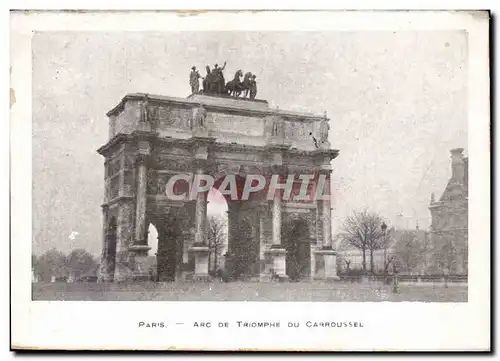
(217, 230)
(241, 258)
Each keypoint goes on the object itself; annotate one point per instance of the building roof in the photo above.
(457, 187)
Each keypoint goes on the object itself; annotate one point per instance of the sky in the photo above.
(397, 103)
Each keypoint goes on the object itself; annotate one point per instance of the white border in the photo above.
(388, 326)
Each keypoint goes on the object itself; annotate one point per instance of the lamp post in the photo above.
(384, 229)
(395, 282)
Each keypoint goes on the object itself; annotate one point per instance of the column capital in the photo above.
(142, 158)
(325, 171)
(139, 248)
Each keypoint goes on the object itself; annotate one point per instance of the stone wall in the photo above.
(449, 227)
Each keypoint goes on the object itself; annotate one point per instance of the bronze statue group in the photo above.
(214, 83)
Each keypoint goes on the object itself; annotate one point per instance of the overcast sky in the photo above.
(397, 100)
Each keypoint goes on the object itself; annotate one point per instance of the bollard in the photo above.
(395, 284)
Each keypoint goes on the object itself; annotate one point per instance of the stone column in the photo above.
(141, 197)
(277, 251)
(103, 268)
(326, 253)
(327, 224)
(232, 220)
(200, 247)
(265, 240)
(139, 249)
(277, 221)
(200, 216)
(326, 213)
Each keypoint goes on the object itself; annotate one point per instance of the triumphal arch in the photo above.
(156, 139)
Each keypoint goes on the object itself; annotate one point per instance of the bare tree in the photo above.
(385, 243)
(362, 231)
(412, 251)
(216, 234)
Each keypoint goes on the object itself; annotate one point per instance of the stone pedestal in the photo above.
(139, 269)
(200, 262)
(328, 262)
(278, 256)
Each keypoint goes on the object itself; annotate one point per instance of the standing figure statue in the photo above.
(277, 126)
(193, 80)
(145, 109)
(219, 77)
(208, 81)
(253, 88)
(324, 129)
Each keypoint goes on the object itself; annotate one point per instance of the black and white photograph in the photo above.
(291, 167)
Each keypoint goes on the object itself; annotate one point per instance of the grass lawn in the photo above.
(246, 291)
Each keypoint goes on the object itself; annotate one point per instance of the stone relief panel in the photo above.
(113, 166)
(166, 162)
(112, 126)
(127, 119)
(298, 130)
(157, 183)
(114, 187)
(128, 182)
(234, 123)
(168, 117)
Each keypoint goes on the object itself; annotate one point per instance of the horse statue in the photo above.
(246, 84)
(234, 87)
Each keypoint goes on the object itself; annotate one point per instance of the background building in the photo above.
(449, 227)
(441, 250)
(408, 249)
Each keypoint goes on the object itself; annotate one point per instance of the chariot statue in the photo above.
(214, 83)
